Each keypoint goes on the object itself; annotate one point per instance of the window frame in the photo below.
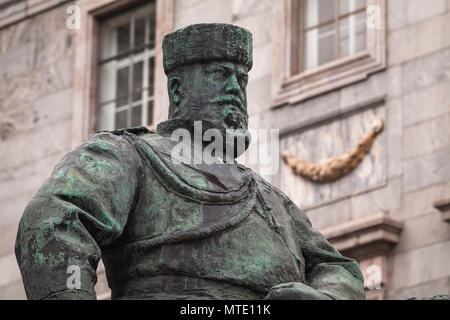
(292, 86)
(129, 59)
(86, 75)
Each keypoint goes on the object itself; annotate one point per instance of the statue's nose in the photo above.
(233, 86)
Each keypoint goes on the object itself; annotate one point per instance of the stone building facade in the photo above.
(323, 82)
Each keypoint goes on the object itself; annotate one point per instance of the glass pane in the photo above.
(121, 119)
(139, 32)
(136, 116)
(107, 82)
(151, 76)
(115, 36)
(150, 113)
(123, 38)
(346, 6)
(352, 35)
(326, 44)
(122, 86)
(106, 117)
(152, 29)
(138, 68)
(310, 53)
(318, 11)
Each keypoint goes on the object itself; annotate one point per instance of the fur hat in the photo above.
(207, 42)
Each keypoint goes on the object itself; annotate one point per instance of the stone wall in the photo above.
(36, 59)
(405, 173)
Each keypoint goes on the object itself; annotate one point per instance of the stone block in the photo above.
(14, 122)
(10, 270)
(13, 291)
(36, 6)
(422, 231)
(258, 96)
(296, 116)
(402, 13)
(186, 4)
(394, 131)
(19, 92)
(328, 215)
(386, 199)
(7, 239)
(53, 47)
(426, 71)
(425, 104)
(208, 11)
(420, 266)
(57, 76)
(259, 25)
(262, 62)
(15, 11)
(28, 179)
(418, 40)
(361, 92)
(34, 145)
(425, 290)
(395, 80)
(17, 61)
(244, 8)
(53, 107)
(427, 170)
(18, 34)
(12, 209)
(421, 202)
(427, 137)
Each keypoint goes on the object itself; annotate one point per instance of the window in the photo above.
(332, 29)
(126, 69)
(324, 45)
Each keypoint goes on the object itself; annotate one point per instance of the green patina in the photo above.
(177, 231)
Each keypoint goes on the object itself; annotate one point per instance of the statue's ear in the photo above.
(174, 90)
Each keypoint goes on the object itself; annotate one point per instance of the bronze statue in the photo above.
(169, 230)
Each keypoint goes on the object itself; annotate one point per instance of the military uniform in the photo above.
(167, 230)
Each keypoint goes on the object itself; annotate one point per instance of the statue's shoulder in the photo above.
(133, 130)
(120, 134)
(118, 140)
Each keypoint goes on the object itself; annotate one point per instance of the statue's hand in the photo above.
(295, 291)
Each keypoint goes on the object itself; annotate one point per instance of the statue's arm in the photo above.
(81, 208)
(328, 273)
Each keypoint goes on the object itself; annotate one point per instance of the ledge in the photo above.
(364, 238)
(331, 76)
(13, 11)
(444, 206)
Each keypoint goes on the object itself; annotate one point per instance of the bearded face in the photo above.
(215, 94)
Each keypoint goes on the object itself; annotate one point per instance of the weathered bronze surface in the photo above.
(175, 231)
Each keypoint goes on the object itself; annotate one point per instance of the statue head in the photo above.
(207, 68)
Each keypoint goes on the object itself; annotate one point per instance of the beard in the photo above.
(224, 114)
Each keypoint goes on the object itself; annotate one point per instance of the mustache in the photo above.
(231, 99)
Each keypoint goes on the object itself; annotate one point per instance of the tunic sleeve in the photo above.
(83, 207)
(326, 269)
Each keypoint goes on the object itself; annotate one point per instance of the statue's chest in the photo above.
(250, 252)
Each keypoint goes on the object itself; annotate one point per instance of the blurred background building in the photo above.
(325, 72)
